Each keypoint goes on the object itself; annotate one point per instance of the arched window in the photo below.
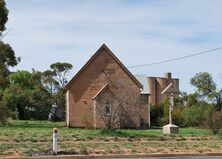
(107, 106)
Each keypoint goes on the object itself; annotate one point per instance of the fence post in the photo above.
(55, 139)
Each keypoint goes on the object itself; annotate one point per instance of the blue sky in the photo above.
(46, 31)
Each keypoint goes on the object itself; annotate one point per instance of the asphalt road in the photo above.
(191, 157)
(179, 157)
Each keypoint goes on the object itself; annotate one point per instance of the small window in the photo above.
(107, 106)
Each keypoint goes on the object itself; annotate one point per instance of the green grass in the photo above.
(32, 124)
(194, 132)
(45, 127)
(35, 138)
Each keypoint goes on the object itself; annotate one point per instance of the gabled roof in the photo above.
(116, 60)
(103, 89)
(171, 89)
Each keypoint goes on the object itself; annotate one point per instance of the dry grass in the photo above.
(28, 138)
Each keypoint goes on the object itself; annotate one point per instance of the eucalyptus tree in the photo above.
(7, 59)
(207, 88)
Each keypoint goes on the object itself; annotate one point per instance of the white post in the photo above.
(55, 139)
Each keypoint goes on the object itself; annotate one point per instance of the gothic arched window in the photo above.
(107, 106)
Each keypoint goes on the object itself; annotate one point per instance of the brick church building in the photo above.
(105, 94)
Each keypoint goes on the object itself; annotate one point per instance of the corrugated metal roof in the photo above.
(143, 80)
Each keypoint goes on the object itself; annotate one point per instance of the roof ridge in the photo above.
(115, 58)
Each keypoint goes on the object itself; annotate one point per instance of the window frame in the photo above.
(107, 107)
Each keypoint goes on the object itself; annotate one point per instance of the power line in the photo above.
(175, 59)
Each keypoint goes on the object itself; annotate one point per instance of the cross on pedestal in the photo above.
(171, 128)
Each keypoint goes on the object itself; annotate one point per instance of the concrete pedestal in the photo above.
(170, 129)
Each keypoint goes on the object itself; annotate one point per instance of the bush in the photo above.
(83, 150)
(4, 113)
(87, 120)
(14, 115)
(193, 116)
(213, 120)
(156, 113)
(177, 118)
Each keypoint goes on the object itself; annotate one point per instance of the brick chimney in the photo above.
(167, 75)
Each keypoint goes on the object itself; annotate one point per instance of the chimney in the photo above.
(167, 75)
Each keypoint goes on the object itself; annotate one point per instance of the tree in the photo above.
(60, 71)
(206, 88)
(192, 99)
(54, 81)
(204, 83)
(40, 104)
(40, 100)
(27, 96)
(48, 81)
(3, 15)
(22, 78)
(7, 59)
(7, 55)
(16, 99)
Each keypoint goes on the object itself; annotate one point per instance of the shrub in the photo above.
(213, 120)
(177, 118)
(83, 149)
(4, 113)
(87, 120)
(193, 116)
(14, 115)
(156, 113)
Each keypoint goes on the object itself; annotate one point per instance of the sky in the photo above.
(43, 32)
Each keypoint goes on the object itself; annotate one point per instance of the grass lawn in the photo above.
(30, 138)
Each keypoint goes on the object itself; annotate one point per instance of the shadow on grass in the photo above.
(32, 124)
(155, 127)
(127, 133)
